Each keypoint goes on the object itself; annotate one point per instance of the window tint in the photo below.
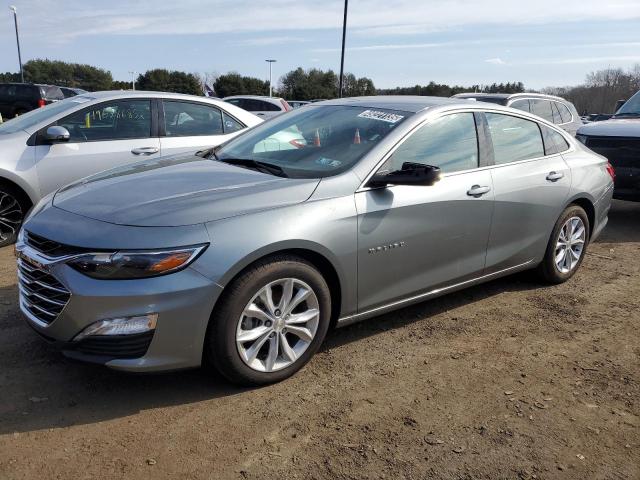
(449, 142)
(182, 119)
(514, 138)
(268, 107)
(565, 113)
(521, 105)
(554, 142)
(231, 124)
(542, 108)
(110, 121)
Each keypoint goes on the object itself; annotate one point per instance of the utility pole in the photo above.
(133, 80)
(344, 35)
(270, 62)
(15, 21)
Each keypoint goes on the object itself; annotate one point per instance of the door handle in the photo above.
(555, 176)
(145, 150)
(478, 191)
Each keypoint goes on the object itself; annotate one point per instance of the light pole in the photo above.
(133, 80)
(344, 35)
(15, 21)
(270, 62)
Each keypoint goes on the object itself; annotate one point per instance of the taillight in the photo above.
(611, 171)
(41, 103)
(298, 142)
(286, 106)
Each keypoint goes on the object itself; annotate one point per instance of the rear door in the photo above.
(103, 136)
(412, 239)
(531, 183)
(192, 126)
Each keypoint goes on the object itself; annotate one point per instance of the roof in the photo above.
(505, 95)
(407, 103)
(261, 97)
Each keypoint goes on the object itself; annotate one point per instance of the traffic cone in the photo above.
(316, 139)
(356, 138)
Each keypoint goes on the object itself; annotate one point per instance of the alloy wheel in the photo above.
(278, 325)
(570, 244)
(10, 216)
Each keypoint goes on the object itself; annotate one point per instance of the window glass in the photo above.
(554, 142)
(267, 107)
(542, 108)
(565, 113)
(521, 105)
(449, 142)
(110, 121)
(556, 113)
(183, 119)
(514, 138)
(231, 124)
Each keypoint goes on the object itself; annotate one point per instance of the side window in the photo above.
(542, 108)
(521, 105)
(119, 120)
(565, 113)
(182, 119)
(554, 142)
(449, 142)
(556, 114)
(514, 138)
(267, 107)
(231, 124)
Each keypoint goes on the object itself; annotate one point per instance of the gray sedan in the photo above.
(243, 257)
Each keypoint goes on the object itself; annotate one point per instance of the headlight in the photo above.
(582, 139)
(135, 264)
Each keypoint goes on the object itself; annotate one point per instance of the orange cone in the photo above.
(356, 138)
(316, 140)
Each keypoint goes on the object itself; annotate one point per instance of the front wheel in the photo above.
(270, 322)
(12, 211)
(567, 246)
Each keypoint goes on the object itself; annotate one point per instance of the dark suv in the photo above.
(19, 98)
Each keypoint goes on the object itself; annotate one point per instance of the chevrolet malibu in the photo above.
(244, 256)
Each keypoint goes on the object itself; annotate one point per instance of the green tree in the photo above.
(163, 80)
(235, 84)
(65, 74)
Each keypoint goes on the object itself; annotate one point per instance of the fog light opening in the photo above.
(120, 326)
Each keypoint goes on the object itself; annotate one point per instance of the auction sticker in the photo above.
(382, 116)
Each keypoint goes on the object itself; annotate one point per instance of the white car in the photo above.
(50, 147)
(264, 107)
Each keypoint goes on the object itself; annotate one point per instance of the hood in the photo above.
(615, 127)
(181, 190)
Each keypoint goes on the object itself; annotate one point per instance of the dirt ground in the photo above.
(511, 379)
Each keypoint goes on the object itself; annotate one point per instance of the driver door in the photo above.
(103, 136)
(413, 239)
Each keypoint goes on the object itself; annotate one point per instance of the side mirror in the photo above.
(619, 105)
(411, 174)
(56, 134)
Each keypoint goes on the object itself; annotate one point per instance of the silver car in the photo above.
(242, 258)
(63, 142)
(554, 109)
(262, 106)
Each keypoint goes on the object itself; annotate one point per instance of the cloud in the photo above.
(367, 48)
(266, 41)
(495, 61)
(583, 60)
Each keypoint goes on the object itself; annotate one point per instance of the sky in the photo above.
(393, 42)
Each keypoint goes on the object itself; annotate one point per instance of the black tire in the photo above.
(10, 217)
(220, 350)
(548, 270)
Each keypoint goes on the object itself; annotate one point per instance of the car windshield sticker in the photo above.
(382, 116)
(327, 162)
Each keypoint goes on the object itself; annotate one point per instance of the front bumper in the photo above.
(183, 301)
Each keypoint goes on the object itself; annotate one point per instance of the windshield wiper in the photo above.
(263, 167)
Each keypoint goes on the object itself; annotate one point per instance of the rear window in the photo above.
(51, 93)
(542, 108)
(565, 113)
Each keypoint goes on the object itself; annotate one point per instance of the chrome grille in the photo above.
(48, 247)
(41, 294)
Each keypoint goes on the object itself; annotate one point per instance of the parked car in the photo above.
(596, 117)
(265, 107)
(52, 146)
(297, 103)
(243, 258)
(618, 139)
(556, 110)
(72, 92)
(20, 98)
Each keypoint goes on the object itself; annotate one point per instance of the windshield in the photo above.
(34, 117)
(631, 107)
(313, 142)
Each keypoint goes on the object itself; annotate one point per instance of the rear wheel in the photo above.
(13, 208)
(270, 322)
(567, 246)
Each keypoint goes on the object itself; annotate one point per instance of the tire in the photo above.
(553, 270)
(253, 363)
(13, 208)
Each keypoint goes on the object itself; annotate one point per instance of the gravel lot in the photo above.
(511, 379)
